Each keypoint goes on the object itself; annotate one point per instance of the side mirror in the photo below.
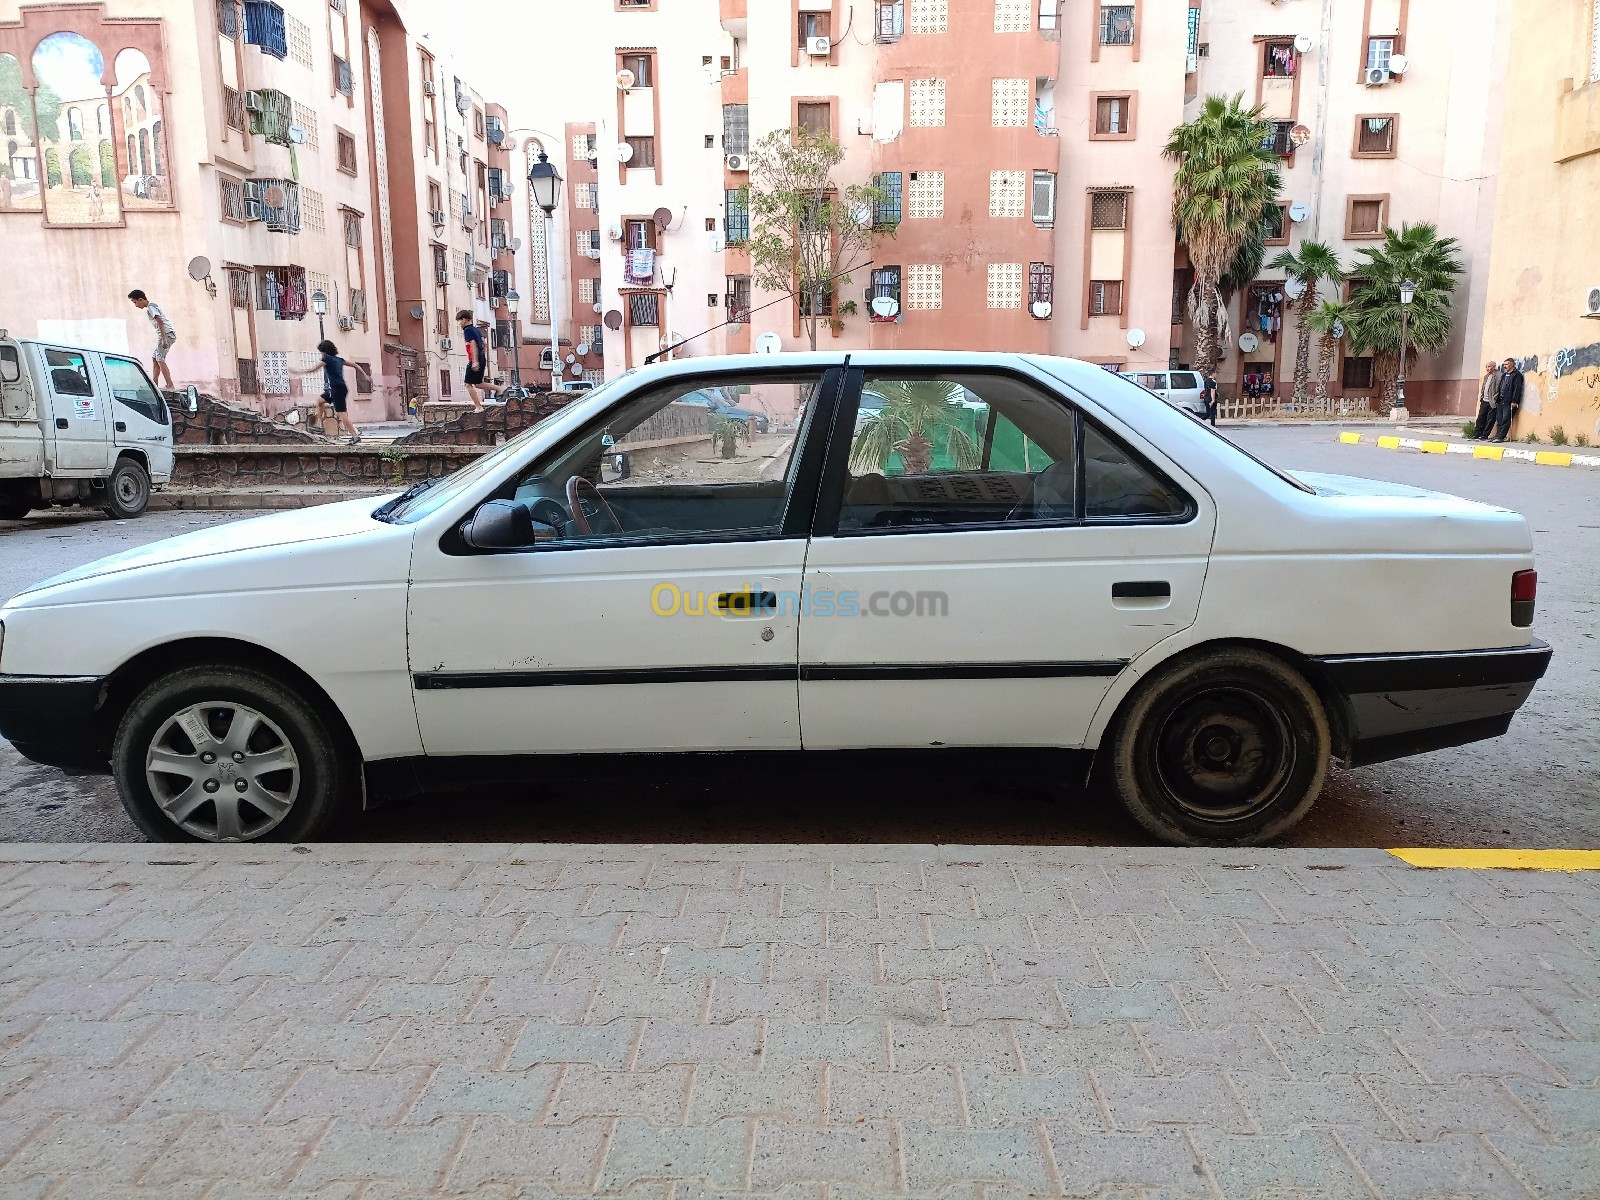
(499, 525)
(193, 396)
(614, 467)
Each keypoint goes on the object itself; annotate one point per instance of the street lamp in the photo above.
(1408, 293)
(512, 300)
(544, 184)
(319, 305)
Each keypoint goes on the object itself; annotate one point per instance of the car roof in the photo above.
(873, 360)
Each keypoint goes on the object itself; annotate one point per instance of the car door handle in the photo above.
(748, 603)
(1142, 589)
(122, 427)
(61, 422)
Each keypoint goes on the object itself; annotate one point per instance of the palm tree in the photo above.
(1329, 320)
(1416, 254)
(1226, 177)
(912, 411)
(1316, 264)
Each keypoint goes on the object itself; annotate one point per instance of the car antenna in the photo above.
(679, 344)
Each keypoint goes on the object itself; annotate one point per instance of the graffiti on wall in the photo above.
(1566, 392)
(1568, 361)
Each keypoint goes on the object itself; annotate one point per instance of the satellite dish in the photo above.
(1303, 43)
(1398, 63)
(613, 319)
(297, 135)
(1299, 212)
(418, 312)
(598, 306)
(769, 343)
(1041, 310)
(516, 244)
(583, 349)
(614, 233)
(200, 268)
(862, 214)
(885, 307)
(1249, 343)
(1135, 338)
(663, 218)
(625, 79)
(1294, 288)
(574, 370)
(624, 152)
(572, 358)
(1300, 135)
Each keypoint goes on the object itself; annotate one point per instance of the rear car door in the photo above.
(77, 413)
(987, 558)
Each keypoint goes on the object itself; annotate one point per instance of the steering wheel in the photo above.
(580, 489)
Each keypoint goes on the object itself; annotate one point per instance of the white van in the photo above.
(1181, 389)
(78, 427)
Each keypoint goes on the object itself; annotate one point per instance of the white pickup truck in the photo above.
(78, 427)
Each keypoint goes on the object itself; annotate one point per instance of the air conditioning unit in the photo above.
(428, 89)
(469, 221)
(1377, 76)
(444, 345)
(252, 102)
(738, 162)
(590, 251)
(252, 210)
(442, 278)
(819, 47)
(1192, 64)
(438, 216)
(1592, 309)
(347, 323)
(252, 190)
(499, 244)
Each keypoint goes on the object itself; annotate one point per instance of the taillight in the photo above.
(1524, 590)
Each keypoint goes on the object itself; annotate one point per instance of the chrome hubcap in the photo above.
(223, 772)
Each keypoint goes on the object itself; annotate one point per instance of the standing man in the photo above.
(1209, 382)
(477, 358)
(1509, 401)
(1488, 398)
(166, 336)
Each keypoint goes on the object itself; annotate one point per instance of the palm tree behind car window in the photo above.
(911, 416)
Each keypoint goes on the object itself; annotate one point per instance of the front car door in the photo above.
(987, 558)
(77, 413)
(139, 414)
(659, 608)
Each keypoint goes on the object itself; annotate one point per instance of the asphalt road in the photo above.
(1538, 786)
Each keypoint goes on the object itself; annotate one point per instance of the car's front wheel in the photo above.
(127, 491)
(227, 754)
(1227, 748)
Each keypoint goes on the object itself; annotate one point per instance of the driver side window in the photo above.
(692, 460)
(131, 388)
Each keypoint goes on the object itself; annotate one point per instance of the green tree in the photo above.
(1316, 264)
(807, 229)
(108, 165)
(1329, 321)
(81, 164)
(911, 415)
(1416, 254)
(1226, 177)
(52, 168)
(14, 95)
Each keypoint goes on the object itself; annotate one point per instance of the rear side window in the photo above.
(69, 373)
(1155, 382)
(131, 388)
(1119, 485)
(1185, 381)
(10, 365)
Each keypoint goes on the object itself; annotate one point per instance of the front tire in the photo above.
(1227, 748)
(228, 754)
(127, 491)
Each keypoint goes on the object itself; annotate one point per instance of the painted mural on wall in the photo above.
(1565, 393)
(19, 167)
(74, 132)
(145, 182)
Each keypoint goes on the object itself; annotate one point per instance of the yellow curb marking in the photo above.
(1434, 447)
(1389, 442)
(1350, 439)
(1503, 860)
(1551, 458)
(1494, 452)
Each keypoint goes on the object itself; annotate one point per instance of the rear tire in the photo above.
(1227, 748)
(127, 491)
(219, 753)
(13, 509)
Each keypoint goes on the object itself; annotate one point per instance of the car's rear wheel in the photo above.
(1227, 748)
(228, 754)
(128, 490)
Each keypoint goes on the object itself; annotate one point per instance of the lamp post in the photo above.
(1408, 293)
(319, 305)
(544, 184)
(512, 300)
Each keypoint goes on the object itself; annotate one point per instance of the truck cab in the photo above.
(78, 427)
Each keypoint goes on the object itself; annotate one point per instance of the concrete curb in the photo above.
(255, 499)
(1541, 458)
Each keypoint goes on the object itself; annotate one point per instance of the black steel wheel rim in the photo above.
(1223, 753)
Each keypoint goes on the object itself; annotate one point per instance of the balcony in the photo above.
(735, 16)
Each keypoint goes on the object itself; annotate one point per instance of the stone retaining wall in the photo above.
(220, 424)
(496, 423)
(267, 466)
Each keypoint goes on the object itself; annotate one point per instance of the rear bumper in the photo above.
(51, 721)
(1401, 704)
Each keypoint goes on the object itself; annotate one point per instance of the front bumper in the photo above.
(51, 720)
(1396, 705)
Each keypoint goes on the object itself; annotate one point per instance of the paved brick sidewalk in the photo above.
(816, 1023)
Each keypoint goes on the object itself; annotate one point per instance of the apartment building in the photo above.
(1385, 113)
(234, 160)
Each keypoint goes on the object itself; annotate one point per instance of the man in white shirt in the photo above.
(166, 337)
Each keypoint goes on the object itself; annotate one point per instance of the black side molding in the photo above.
(1354, 674)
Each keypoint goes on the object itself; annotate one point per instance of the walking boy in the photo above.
(477, 358)
(166, 337)
(335, 390)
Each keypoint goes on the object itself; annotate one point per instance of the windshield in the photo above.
(451, 486)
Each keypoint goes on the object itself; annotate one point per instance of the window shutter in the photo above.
(1044, 198)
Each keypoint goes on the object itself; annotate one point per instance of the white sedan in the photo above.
(1005, 551)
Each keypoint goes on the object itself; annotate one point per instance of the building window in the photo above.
(1278, 60)
(1105, 298)
(738, 299)
(228, 18)
(924, 286)
(1379, 51)
(1366, 216)
(885, 285)
(232, 199)
(239, 290)
(1008, 193)
(930, 16)
(1358, 374)
(736, 129)
(1013, 16)
(306, 118)
(1041, 289)
(736, 215)
(249, 377)
(818, 302)
(1275, 225)
(358, 305)
(644, 151)
(926, 198)
(1044, 199)
(1113, 116)
(586, 195)
(298, 34)
(886, 206)
(1108, 210)
(1116, 24)
(927, 103)
(312, 210)
(815, 118)
(891, 21)
(344, 80)
(1375, 135)
(444, 381)
(644, 310)
(643, 68)
(583, 145)
(233, 110)
(1279, 139)
(811, 25)
(264, 28)
(1005, 285)
(352, 229)
(347, 153)
(586, 290)
(1009, 102)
